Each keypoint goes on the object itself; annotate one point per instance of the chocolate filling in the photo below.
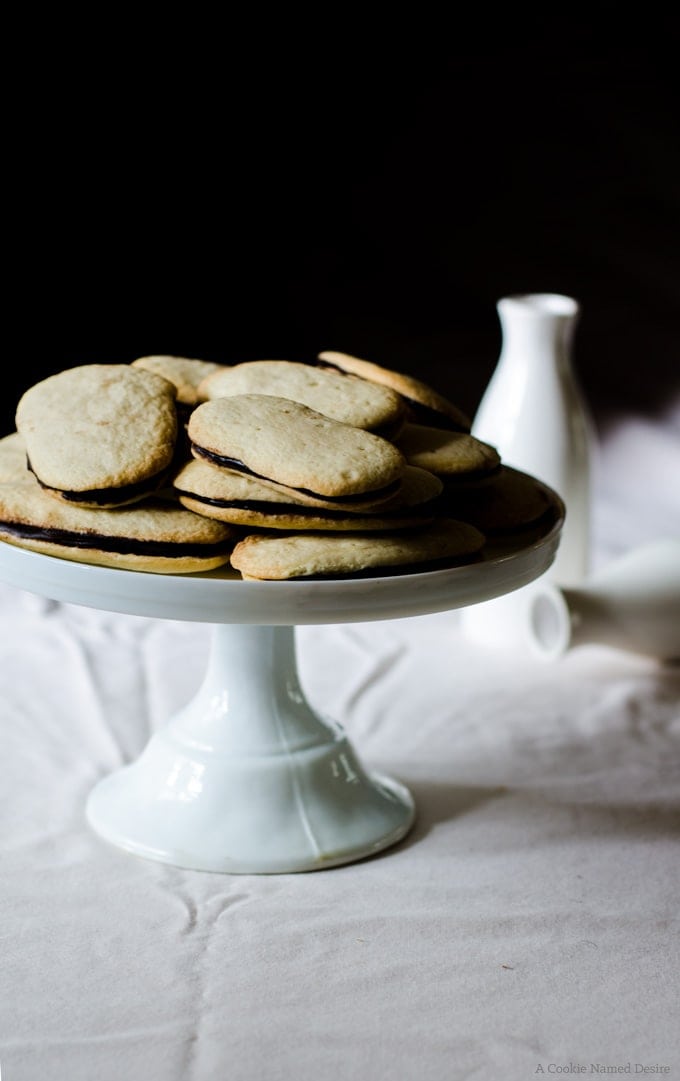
(123, 545)
(276, 510)
(264, 507)
(106, 496)
(240, 467)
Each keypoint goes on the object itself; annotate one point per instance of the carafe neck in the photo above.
(538, 328)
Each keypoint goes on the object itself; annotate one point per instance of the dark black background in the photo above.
(272, 189)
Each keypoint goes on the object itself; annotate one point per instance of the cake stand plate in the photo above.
(248, 778)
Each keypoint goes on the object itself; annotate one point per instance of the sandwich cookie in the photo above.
(446, 454)
(424, 404)
(99, 435)
(245, 501)
(297, 451)
(341, 397)
(324, 555)
(13, 466)
(503, 502)
(154, 536)
(186, 373)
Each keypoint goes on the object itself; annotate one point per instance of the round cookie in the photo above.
(314, 555)
(100, 435)
(13, 467)
(295, 448)
(341, 397)
(155, 536)
(245, 501)
(446, 453)
(418, 487)
(186, 373)
(425, 405)
(504, 502)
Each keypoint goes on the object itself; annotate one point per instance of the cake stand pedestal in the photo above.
(248, 778)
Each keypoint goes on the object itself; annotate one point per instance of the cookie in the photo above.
(324, 555)
(504, 502)
(154, 536)
(186, 373)
(446, 453)
(101, 435)
(296, 449)
(425, 405)
(340, 397)
(13, 467)
(245, 501)
(418, 487)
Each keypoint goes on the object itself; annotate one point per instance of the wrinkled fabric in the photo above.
(529, 920)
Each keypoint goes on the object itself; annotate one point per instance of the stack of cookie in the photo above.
(80, 478)
(282, 469)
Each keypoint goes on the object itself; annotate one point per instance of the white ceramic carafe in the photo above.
(535, 414)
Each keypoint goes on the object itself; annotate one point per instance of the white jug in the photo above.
(535, 414)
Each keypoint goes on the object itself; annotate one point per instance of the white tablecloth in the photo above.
(527, 926)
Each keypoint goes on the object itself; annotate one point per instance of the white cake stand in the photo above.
(247, 778)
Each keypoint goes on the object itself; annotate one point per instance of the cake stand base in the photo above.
(247, 778)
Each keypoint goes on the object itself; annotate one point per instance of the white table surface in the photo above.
(527, 926)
